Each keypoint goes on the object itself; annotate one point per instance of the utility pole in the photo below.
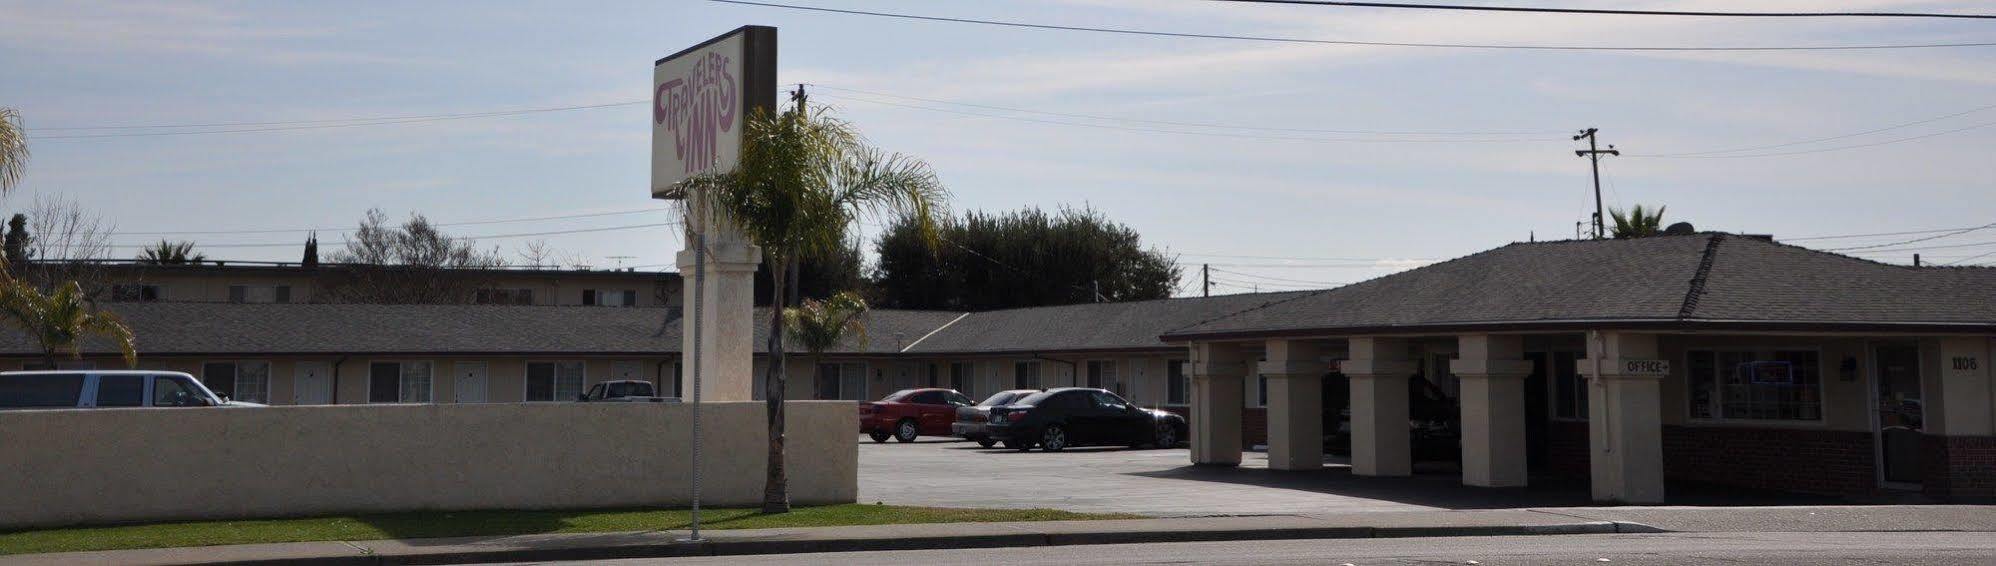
(1205, 280)
(1593, 155)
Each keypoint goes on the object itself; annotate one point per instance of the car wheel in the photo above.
(1167, 435)
(905, 431)
(1053, 439)
(878, 436)
(986, 442)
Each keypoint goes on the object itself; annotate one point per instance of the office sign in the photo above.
(701, 100)
(1646, 368)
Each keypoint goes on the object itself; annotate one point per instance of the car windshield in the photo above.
(1034, 399)
(1003, 398)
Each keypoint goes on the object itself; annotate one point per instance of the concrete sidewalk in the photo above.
(587, 546)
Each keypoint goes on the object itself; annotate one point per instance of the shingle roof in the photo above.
(1666, 278)
(222, 328)
(1133, 325)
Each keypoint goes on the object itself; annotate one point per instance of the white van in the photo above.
(85, 389)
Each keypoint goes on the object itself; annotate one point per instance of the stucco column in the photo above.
(1624, 417)
(1492, 372)
(727, 355)
(1217, 377)
(1378, 371)
(1295, 375)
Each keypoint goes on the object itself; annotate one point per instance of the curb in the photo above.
(1010, 540)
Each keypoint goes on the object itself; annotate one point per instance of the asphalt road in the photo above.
(1731, 548)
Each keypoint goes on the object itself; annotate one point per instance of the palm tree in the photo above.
(13, 149)
(817, 325)
(1636, 223)
(59, 321)
(170, 253)
(802, 180)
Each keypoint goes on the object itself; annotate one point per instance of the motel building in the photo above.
(1712, 358)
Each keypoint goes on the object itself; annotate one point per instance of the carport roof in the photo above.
(1699, 280)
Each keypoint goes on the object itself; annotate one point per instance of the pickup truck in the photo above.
(623, 391)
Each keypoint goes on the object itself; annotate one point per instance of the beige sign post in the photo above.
(702, 98)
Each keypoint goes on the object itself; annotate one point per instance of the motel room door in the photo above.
(1901, 413)
(311, 383)
(469, 385)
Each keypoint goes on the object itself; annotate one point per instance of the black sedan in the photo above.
(1078, 416)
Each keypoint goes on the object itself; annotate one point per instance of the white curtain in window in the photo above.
(253, 382)
(567, 381)
(415, 382)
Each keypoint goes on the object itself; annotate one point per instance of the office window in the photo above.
(963, 377)
(136, 293)
(1756, 385)
(1178, 385)
(504, 297)
(554, 381)
(1026, 375)
(241, 381)
(399, 382)
(1569, 390)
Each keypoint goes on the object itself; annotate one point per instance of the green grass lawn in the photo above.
(485, 523)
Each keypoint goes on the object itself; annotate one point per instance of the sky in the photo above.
(1274, 201)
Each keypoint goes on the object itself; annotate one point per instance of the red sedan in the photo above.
(911, 412)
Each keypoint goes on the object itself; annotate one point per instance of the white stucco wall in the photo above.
(124, 465)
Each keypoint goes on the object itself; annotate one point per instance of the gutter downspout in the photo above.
(336, 379)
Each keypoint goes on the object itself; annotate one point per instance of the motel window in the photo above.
(137, 293)
(241, 381)
(399, 382)
(1755, 385)
(1178, 386)
(1026, 375)
(259, 293)
(1102, 375)
(962, 378)
(610, 297)
(504, 297)
(554, 381)
(839, 381)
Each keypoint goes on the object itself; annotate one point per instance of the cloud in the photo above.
(154, 28)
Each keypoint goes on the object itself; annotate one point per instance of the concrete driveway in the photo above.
(946, 473)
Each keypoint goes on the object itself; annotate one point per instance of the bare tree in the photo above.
(412, 263)
(538, 254)
(65, 243)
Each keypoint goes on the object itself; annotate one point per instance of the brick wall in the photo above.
(1566, 450)
(1809, 461)
(1254, 427)
(1959, 468)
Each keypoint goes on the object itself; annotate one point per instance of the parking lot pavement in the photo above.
(1152, 482)
(948, 473)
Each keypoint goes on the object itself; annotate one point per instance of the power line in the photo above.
(1128, 31)
(1923, 248)
(1826, 149)
(308, 124)
(1594, 11)
(1816, 140)
(1283, 279)
(1843, 236)
(1971, 258)
(350, 228)
(1179, 132)
(484, 237)
(1914, 240)
(1200, 124)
